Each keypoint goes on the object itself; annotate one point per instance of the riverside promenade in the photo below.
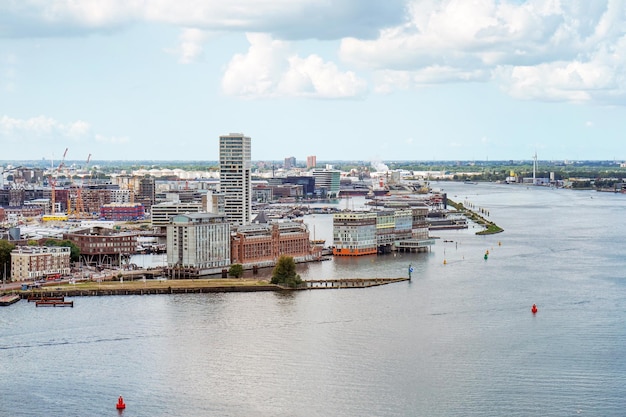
(191, 286)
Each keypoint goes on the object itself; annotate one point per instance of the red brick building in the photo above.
(122, 211)
(100, 246)
(263, 244)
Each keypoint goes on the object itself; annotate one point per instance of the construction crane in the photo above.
(80, 208)
(53, 182)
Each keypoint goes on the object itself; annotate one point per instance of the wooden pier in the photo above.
(41, 298)
(348, 283)
(54, 303)
(56, 297)
(51, 301)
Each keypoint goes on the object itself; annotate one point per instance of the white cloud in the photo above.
(270, 69)
(39, 127)
(289, 19)
(535, 49)
(543, 50)
(46, 130)
(191, 45)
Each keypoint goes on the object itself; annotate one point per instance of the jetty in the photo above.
(50, 301)
(56, 297)
(41, 298)
(347, 283)
(46, 303)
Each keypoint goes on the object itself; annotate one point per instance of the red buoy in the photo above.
(534, 309)
(120, 403)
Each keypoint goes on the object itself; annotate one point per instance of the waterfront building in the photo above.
(420, 240)
(101, 246)
(35, 262)
(197, 243)
(122, 212)
(262, 244)
(287, 191)
(262, 193)
(235, 177)
(364, 233)
(354, 233)
(391, 226)
(162, 212)
(307, 183)
(327, 182)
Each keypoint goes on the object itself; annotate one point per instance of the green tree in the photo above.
(74, 249)
(285, 272)
(5, 258)
(235, 270)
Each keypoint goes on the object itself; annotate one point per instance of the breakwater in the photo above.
(197, 286)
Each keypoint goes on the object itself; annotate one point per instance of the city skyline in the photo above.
(366, 80)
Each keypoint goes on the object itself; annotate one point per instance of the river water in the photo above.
(458, 340)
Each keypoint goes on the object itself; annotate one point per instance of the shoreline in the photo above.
(490, 227)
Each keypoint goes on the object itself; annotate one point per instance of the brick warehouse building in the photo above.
(263, 244)
(100, 246)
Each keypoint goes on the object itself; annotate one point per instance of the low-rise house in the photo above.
(30, 263)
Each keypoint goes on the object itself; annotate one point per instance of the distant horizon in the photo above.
(320, 163)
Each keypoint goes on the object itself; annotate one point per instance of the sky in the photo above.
(363, 80)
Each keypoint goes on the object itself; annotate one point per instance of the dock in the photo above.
(348, 283)
(56, 296)
(54, 303)
(7, 300)
(40, 298)
(50, 301)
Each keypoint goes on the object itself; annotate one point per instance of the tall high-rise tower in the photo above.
(235, 182)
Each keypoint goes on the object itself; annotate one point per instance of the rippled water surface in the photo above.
(458, 340)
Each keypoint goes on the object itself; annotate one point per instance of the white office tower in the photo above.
(235, 183)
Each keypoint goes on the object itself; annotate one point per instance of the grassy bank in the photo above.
(490, 227)
(174, 284)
